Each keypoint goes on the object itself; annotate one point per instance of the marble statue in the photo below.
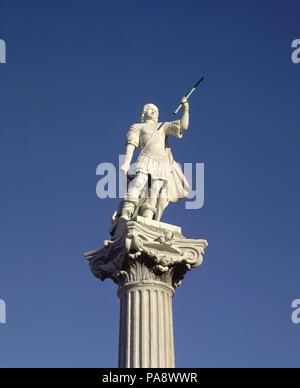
(147, 258)
(157, 178)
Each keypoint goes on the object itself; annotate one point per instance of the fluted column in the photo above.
(146, 325)
(148, 261)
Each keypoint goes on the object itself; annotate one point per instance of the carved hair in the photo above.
(154, 107)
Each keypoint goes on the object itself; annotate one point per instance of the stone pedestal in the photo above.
(148, 260)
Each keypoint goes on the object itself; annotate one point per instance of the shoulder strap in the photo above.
(151, 138)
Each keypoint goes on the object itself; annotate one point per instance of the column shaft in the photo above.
(146, 325)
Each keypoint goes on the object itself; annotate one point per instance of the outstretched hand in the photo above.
(184, 103)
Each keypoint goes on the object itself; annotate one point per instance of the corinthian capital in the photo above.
(146, 250)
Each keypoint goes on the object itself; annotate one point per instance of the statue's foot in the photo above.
(149, 214)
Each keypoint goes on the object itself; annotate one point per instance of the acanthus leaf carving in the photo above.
(146, 253)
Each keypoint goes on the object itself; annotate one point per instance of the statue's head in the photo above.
(150, 112)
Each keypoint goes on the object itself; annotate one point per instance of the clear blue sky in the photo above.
(76, 76)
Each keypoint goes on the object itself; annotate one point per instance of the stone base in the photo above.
(158, 225)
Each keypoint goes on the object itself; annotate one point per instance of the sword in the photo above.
(189, 94)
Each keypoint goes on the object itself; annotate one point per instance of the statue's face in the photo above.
(150, 112)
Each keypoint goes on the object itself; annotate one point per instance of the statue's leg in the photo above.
(150, 205)
(132, 198)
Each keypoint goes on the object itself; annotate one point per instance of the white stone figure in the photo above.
(158, 179)
(146, 258)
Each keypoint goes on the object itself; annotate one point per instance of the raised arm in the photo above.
(184, 121)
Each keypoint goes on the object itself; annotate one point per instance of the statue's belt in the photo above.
(151, 156)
